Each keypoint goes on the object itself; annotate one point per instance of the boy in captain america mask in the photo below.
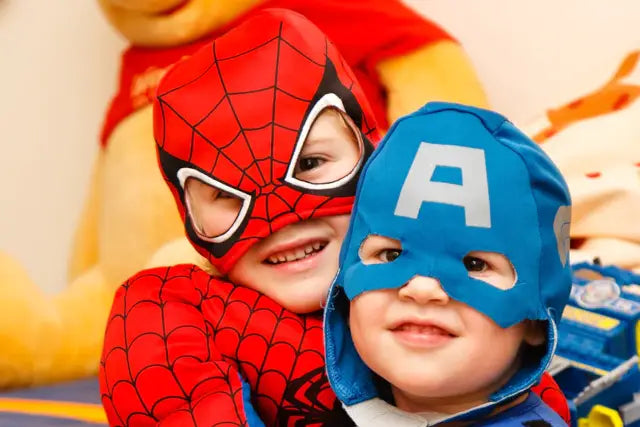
(453, 276)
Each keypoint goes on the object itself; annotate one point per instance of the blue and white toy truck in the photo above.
(596, 363)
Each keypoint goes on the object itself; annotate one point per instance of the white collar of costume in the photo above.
(378, 413)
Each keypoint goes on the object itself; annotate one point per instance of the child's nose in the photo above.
(423, 290)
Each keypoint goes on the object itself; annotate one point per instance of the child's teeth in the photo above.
(294, 255)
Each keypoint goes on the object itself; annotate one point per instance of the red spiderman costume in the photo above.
(180, 344)
(234, 116)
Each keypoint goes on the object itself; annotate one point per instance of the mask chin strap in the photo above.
(184, 173)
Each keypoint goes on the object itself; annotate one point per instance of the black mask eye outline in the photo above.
(328, 100)
(185, 173)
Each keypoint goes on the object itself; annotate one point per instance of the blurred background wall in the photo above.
(59, 64)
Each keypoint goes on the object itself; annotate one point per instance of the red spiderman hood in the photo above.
(235, 115)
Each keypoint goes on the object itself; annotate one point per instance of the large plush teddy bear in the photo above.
(130, 221)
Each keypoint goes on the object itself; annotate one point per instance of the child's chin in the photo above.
(427, 385)
(301, 302)
(303, 307)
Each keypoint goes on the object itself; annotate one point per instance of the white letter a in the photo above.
(472, 195)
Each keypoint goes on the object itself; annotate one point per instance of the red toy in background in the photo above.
(384, 29)
(180, 343)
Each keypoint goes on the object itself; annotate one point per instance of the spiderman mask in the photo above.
(235, 116)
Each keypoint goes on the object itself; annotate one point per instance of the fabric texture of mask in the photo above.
(447, 180)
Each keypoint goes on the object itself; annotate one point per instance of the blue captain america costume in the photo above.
(450, 187)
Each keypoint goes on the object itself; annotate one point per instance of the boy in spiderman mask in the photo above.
(453, 276)
(261, 137)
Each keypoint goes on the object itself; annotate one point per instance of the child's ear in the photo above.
(535, 332)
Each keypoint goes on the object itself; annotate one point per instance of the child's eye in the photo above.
(389, 255)
(225, 195)
(215, 194)
(308, 163)
(474, 264)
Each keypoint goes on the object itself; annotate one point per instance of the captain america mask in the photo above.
(472, 182)
(447, 181)
(235, 116)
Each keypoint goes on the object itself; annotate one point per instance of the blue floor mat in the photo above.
(69, 404)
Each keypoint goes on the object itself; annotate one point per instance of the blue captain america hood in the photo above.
(447, 180)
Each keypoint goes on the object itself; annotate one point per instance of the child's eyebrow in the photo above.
(318, 141)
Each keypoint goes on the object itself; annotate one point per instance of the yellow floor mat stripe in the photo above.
(92, 413)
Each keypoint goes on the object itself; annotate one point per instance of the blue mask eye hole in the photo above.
(376, 249)
(492, 268)
(389, 255)
(473, 264)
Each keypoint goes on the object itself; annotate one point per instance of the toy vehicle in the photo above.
(596, 363)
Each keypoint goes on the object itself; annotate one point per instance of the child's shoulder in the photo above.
(533, 412)
(182, 281)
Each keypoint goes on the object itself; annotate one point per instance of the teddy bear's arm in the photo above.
(26, 322)
(84, 250)
(41, 334)
(160, 365)
(437, 72)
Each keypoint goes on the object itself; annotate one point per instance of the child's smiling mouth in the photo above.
(295, 252)
(422, 334)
